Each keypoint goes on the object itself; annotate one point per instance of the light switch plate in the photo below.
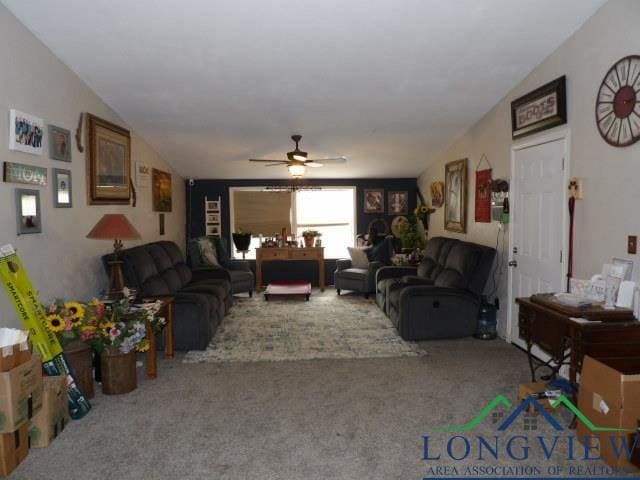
(632, 244)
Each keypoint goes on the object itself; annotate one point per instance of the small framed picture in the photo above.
(398, 203)
(213, 230)
(59, 144)
(161, 223)
(28, 212)
(25, 132)
(374, 200)
(143, 174)
(213, 218)
(62, 188)
(213, 206)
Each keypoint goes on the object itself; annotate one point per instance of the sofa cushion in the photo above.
(354, 273)
(184, 272)
(160, 258)
(155, 286)
(138, 266)
(172, 279)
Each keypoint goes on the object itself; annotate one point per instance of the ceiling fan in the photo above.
(297, 160)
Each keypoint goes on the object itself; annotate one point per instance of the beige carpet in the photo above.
(312, 420)
(328, 326)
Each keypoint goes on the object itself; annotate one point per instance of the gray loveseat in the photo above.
(200, 299)
(440, 299)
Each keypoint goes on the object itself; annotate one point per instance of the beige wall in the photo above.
(61, 261)
(609, 211)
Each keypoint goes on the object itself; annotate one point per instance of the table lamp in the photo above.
(114, 226)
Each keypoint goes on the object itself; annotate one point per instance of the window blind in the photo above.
(260, 212)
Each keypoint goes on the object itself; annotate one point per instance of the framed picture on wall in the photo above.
(398, 203)
(437, 194)
(59, 144)
(62, 188)
(543, 108)
(26, 132)
(374, 200)
(143, 175)
(28, 211)
(109, 160)
(161, 190)
(455, 196)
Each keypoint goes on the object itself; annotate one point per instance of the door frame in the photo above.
(565, 135)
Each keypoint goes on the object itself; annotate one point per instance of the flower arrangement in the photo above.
(311, 233)
(104, 324)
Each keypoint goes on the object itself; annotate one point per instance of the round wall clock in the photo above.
(618, 103)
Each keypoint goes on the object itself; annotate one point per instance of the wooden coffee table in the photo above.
(288, 289)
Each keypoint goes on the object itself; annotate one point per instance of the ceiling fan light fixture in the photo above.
(297, 170)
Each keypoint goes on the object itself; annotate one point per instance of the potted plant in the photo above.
(241, 240)
(411, 238)
(75, 325)
(310, 237)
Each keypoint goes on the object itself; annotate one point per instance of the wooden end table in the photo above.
(165, 311)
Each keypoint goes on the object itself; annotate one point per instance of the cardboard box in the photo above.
(610, 397)
(14, 448)
(15, 348)
(47, 424)
(527, 389)
(20, 394)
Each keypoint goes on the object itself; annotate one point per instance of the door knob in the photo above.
(513, 263)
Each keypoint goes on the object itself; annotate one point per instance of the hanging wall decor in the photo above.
(543, 108)
(26, 132)
(455, 196)
(161, 190)
(483, 192)
(437, 194)
(109, 163)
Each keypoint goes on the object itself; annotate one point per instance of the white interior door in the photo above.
(539, 208)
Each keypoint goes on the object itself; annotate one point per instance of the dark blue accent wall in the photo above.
(292, 270)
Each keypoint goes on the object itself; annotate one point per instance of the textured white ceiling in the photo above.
(387, 83)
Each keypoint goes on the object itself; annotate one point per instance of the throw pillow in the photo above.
(208, 252)
(359, 257)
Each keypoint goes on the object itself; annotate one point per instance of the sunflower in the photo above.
(143, 346)
(108, 326)
(55, 323)
(75, 309)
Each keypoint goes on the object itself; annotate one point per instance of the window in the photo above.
(330, 210)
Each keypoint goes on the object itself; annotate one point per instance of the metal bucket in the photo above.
(118, 371)
(79, 356)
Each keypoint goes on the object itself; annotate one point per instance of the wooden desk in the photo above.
(269, 254)
(612, 335)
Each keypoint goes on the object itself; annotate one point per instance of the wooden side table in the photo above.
(165, 311)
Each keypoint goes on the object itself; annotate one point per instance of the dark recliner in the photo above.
(363, 280)
(200, 300)
(236, 272)
(440, 299)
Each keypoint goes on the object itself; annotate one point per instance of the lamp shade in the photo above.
(112, 226)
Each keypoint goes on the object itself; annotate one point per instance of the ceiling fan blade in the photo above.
(329, 160)
(278, 164)
(268, 161)
(313, 164)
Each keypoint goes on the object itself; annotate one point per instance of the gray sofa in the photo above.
(200, 299)
(441, 298)
(236, 272)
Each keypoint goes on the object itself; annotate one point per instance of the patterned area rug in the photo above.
(327, 326)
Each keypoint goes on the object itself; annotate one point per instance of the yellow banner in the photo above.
(18, 286)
